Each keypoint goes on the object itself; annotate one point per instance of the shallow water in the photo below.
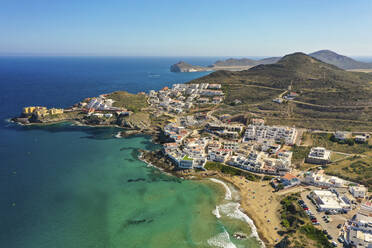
(70, 186)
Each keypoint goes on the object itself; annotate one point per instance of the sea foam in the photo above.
(221, 240)
(232, 209)
(228, 195)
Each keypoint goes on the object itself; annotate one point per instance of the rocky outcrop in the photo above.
(185, 67)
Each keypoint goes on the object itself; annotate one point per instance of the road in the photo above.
(331, 227)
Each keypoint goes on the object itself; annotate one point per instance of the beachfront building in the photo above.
(318, 155)
(218, 155)
(41, 111)
(55, 111)
(186, 162)
(261, 162)
(326, 200)
(285, 182)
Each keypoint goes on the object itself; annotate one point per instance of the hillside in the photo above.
(185, 67)
(236, 62)
(328, 96)
(228, 64)
(132, 102)
(232, 64)
(340, 61)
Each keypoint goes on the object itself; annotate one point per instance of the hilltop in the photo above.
(228, 64)
(233, 64)
(327, 95)
(340, 61)
(185, 67)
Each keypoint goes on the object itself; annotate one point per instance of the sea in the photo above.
(70, 186)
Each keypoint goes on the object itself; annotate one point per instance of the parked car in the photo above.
(329, 237)
(341, 239)
(334, 244)
(325, 232)
(339, 226)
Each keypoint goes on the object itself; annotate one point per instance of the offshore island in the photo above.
(293, 135)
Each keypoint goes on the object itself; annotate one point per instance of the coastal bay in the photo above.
(88, 187)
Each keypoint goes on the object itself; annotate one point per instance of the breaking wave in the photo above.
(221, 240)
(231, 209)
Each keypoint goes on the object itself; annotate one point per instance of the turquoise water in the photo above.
(81, 187)
(69, 186)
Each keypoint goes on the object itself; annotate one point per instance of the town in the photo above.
(196, 137)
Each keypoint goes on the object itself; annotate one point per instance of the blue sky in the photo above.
(185, 28)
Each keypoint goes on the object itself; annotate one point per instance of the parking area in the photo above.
(331, 225)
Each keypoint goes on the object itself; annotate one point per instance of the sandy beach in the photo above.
(261, 205)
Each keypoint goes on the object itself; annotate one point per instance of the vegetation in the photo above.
(231, 170)
(299, 153)
(299, 230)
(356, 169)
(328, 141)
(329, 98)
(291, 215)
(315, 234)
(129, 101)
(187, 158)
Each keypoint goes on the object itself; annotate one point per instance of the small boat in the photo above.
(118, 135)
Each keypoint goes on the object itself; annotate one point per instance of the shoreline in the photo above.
(260, 234)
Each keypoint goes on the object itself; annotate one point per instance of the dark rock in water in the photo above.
(135, 222)
(240, 236)
(136, 180)
(21, 120)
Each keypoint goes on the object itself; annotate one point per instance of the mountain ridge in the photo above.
(233, 64)
(327, 96)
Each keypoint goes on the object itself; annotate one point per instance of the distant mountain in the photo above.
(245, 62)
(185, 67)
(340, 61)
(303, 73)
(328, 97)
(236, 62)
(232, 64)
(228, 64)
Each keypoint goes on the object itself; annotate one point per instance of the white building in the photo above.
(358, 191)
(319, 179)
(318, 155)
(361, 138)
(326, 200)
(358, 231)
(342, 135)
(186, 163)
(261, 133)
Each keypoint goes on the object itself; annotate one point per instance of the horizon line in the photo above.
(153, 56)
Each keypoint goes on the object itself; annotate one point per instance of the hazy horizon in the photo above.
(192, 28)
